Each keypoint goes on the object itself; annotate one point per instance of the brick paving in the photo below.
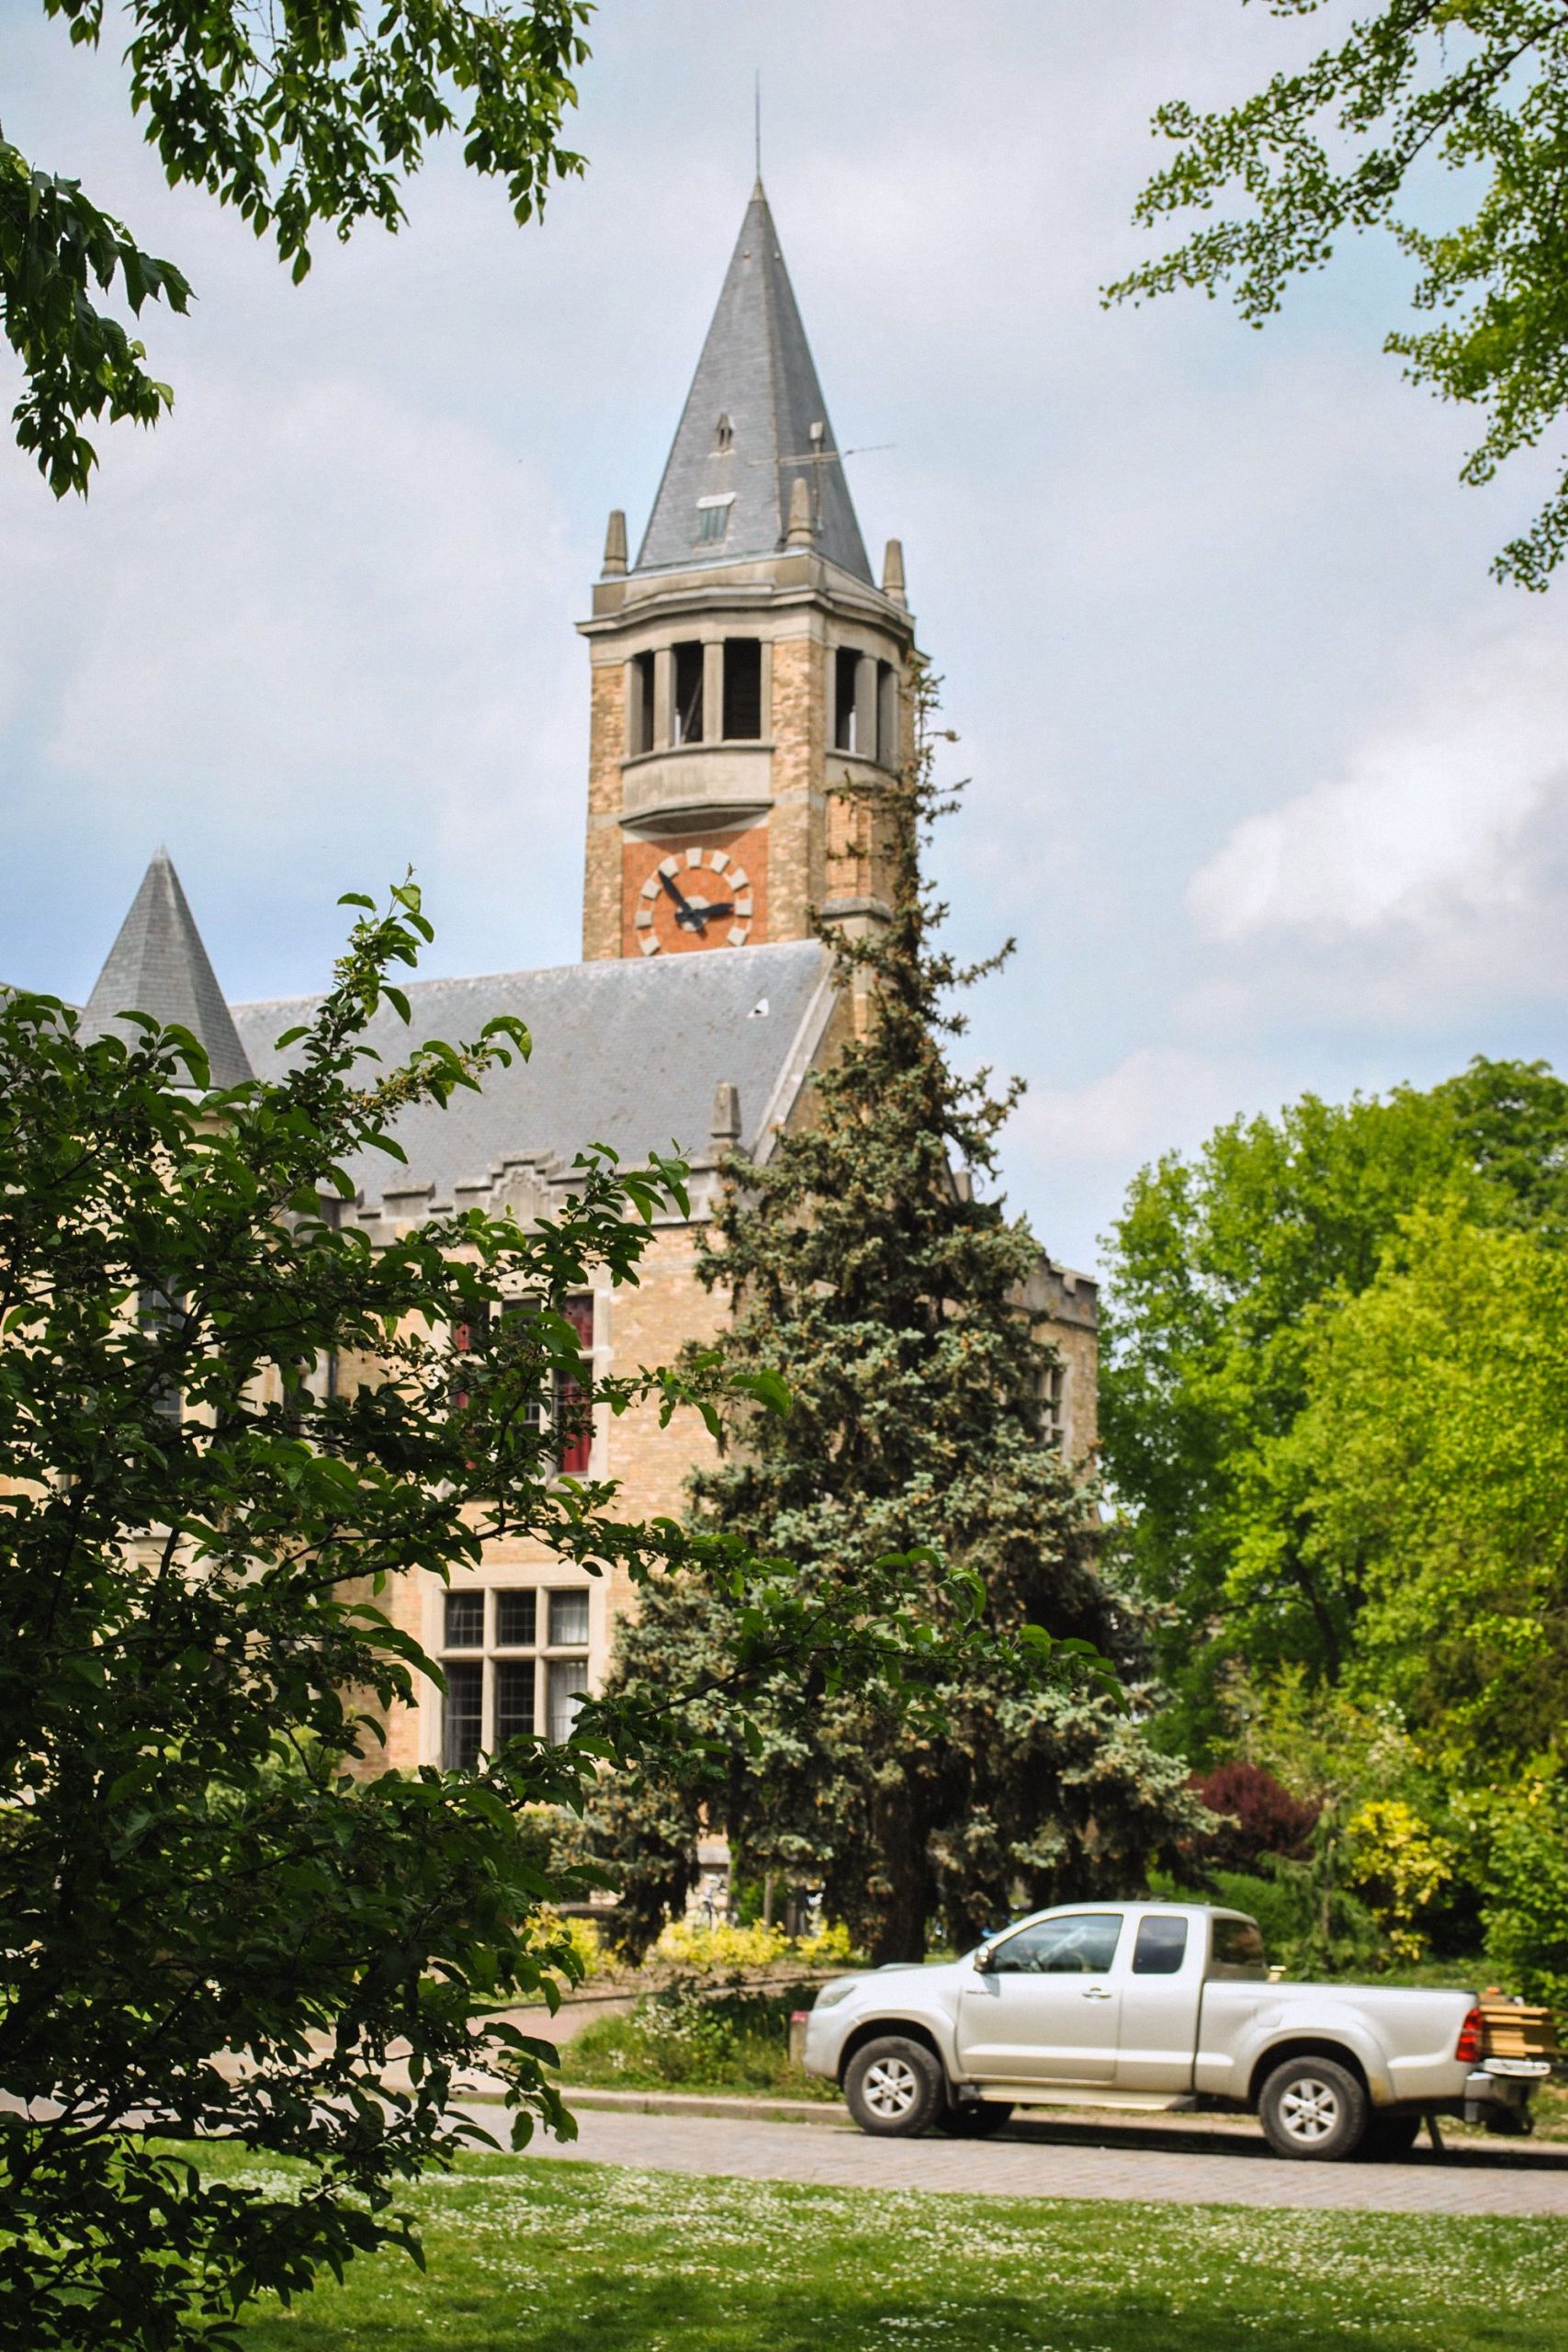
(1197, 2164)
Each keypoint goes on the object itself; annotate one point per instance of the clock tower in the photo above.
(747, 664)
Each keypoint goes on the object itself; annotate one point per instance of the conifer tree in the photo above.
(862, 1267)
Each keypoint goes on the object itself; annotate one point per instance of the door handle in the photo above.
(1097, 1993)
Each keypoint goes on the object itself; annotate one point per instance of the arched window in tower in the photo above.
(723, 435)
(846, 694)
(742, 689)
(688, 693)
(640, 730)
(886, 714)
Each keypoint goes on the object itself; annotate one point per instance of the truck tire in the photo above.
(978, 2119)
(1387, 2138)
(894, 2086)
(1314, 2107)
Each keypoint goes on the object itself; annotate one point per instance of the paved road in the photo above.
(1194, 2164)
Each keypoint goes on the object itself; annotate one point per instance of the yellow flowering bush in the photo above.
(713, 1950)
(1400, 1865)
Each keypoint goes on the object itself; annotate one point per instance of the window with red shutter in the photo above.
(577, 1434)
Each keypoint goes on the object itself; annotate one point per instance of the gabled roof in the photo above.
(746, 433)
(626, 1052)
(159, 965)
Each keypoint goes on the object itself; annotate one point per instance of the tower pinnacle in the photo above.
(755, 423)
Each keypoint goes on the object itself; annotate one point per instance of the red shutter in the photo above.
(577, 1444)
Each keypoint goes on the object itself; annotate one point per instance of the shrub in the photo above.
(1258, 1815)
(1527, 1920)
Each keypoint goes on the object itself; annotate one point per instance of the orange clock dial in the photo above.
(698, 896)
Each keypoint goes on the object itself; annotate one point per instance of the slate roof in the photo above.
(627, 1053)
(756, 370)
(158, 965)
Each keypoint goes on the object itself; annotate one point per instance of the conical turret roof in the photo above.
(159, 965)
(754, 423)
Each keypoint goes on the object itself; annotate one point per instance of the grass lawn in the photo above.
(587, 2258)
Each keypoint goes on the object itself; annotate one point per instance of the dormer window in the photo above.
(713, 519)
(723, 435)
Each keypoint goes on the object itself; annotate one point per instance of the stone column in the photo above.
(712, 690)
(663, 697)
(865, 707)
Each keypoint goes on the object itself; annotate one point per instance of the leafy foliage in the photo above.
(1478, 87)
(1526, 1919)
(1227, 1274)
(1255, 1816)
(897, 1309)
(301, 118)
(1425, 1485)
(228, 1423)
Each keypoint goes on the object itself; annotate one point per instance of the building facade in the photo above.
(743, 670)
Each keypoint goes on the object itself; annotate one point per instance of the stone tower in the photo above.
(747, 663)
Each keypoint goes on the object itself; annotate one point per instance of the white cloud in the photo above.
(1155, 1099)
(1436, 818)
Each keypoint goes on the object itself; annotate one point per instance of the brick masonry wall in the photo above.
(796, 848)
(746, 849)
(602, 873)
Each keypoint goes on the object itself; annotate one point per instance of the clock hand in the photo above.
(688, 917)
(724, 907)
(685, 913)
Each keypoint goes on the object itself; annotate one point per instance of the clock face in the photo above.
(695, 897)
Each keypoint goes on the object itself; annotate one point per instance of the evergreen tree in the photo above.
(894, 1304)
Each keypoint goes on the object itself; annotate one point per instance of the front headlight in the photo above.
(839, 1990)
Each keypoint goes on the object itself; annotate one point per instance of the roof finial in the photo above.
(893, 573)
(802, 531)
(725, 1124)
(615, 545)
(757, 123)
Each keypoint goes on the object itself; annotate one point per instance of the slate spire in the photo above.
(755, 425)
(158, 965)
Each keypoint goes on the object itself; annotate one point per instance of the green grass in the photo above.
(544, 2256)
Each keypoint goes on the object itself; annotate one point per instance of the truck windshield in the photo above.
(1237, 1949)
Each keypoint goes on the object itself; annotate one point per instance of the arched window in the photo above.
(723, 435)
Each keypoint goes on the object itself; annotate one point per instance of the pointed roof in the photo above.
(747, 432)
(158, 965)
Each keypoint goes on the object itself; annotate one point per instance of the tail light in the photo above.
(1468, 2047)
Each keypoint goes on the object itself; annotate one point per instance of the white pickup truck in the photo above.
(1157, 2003)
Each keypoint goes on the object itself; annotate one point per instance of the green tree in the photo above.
(1215, 1269)
(300, 116)
(897, 1305)
(227, 1424)
(1340, 145)
(1425, 1484)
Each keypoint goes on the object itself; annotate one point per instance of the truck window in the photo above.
(1237, 1950)
(1161, 1946)
(1083, 1944)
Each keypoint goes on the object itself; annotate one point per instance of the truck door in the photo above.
(1045, 2010)
(1161, 1992)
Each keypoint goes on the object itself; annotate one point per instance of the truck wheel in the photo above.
(1389, 2137)
(979, 2119)
(1313, 2107)
(894, 2086)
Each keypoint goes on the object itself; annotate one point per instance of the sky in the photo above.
(1268, 779)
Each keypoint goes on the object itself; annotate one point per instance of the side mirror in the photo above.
(983, 1960)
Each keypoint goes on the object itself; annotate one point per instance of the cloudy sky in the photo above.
(1270, 782)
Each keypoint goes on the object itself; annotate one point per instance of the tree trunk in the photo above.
(902, 1846)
